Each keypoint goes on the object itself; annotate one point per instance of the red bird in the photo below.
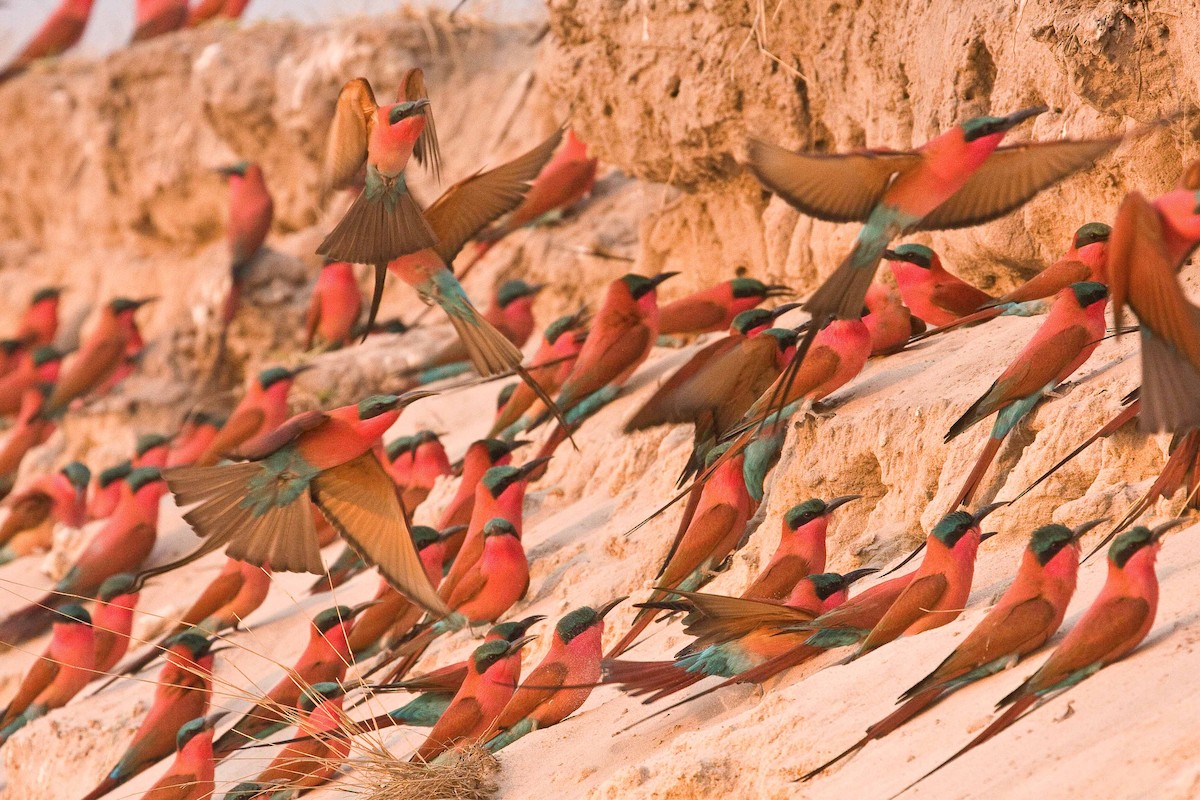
(933, 294)
(551, 364)
(334, 308)
(112, 619)
(190, 776)
(61, 31)
(260, 412)
(101, 354)
(714, 308)
(57, 498)
(40, 323)
(251, 211)
(158, 17)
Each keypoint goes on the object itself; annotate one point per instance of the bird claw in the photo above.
(1060, 391)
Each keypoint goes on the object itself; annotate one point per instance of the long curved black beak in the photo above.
(609, 606)
(530, 467)
(1159, 531)
(662, 276)
(1017, 117)
(838, 502)
(981, 514)
(858, 574)
(1079, 531)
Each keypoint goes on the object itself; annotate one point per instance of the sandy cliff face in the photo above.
(107, 189)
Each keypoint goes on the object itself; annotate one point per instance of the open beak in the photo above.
(981, 514)
(1078, 533)
(662, 276)
(610, 605)
(529, 468)
(838, 502)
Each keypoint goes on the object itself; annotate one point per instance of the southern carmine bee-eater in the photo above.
(314, 758)
(1023, 620)
(106, 490)
(511, 310)
(155, 18)
(619, 339)
(38, 366)
(61, 31)
(961, 178)
(492, 674)
(940, 586)
(262, 409)
(715, 530)
(560, 684)
(935, 295)
(190, 776)
(112, 619)
(384, 222)
(1112, 627)
(550, 366)
(801, 549)
(428, 463)
(260, 509)
(334, 307)
(100, 355)
(183, 692)
(562, 183)
(121, 545)
(251, 212)
(481, 456)
(733, 635)
(714, 308)
(1085, 260)
(31, 428)
(493, 584)
(58, 675)
(454, 217)
(32, 513)
(39, 325)
(325, 658)
(151, 450)
(1070, 334)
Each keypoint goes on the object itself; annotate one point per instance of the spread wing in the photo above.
(834, 188)
(426, 150)
(697, 386)
(359, 499)
(722, 619)
(346, 147)
(471, 204)
(1010, 177)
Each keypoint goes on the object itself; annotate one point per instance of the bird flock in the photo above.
(270, 489)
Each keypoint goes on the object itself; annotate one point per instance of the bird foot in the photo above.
(1060, 391)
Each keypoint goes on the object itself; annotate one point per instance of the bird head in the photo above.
(247, 790)
(378, 404)
(113, 474)
(148, 441)
(488, 654)
(784, 337)
(916, 254)
(119, 585)
(237, 168)
(979, 127)
(407, 109)
(423, 536)
(142, 477)
(498, 526)
(332, 617)
(1091, 233)
(511, 291)
(1089, 292)
(319, 693)
(827, 584)
(400, 446)
(800, 515)
(124, 305)
(563, 324)
(1134, 540)
(193, 641)
(639, 285)
(46, 293)
(955, 525)
(72, 614)
(515, 629)
(194, 727)
(583, 619)
(77, 475)
(44, 355)
(273, 375)
(505, 394)
(751, 319)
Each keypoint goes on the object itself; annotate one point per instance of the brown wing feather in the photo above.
(918, 598)
(1010, 177)
(778, 580)
(359, 499)
(540, 687)
(1093, 643)
(691, 389)
(426, 150)
(28, 511)
(87, 373)
(259, 447)
(41, 674)
(346, 147)
(710, 526)
(471, 204)
(834, 188)
(723, 619)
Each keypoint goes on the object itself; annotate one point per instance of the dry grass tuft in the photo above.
(468, 774)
